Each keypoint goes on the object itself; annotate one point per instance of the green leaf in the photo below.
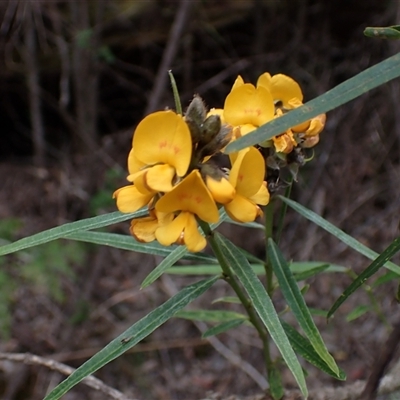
(357, 312)
(388, 277)
(207, 270)
(126, 242)
(263, 306)
(296, 302)
(227, 299)
(338, 233)
(303, 347)
(382, 260)
(388, 32)
(133, 335)
(67, 229)
(168, 261)
(299, 267)
(209, 315)
(318, 312)
(354, 87)
(220, 328)
(275, 383)
(301, 276)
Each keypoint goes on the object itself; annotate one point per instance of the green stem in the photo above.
(268, 222)
(282, 214)
(178, 106)
(231, 279)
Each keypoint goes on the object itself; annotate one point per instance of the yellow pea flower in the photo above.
(247, 177)
(161, 150)
(188, 199)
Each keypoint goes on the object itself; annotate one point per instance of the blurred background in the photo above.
(77, 76)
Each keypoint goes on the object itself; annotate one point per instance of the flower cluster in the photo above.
(247, 107)
(172, 169)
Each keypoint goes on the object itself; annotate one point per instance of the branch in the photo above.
(94, 383)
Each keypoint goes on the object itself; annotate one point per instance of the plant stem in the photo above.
(231, 279)
(268, 222)
(282, 214)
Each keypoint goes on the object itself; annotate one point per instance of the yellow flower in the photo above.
(130, 199)
(282, 88)
(161, 151)
(187, 199)
(144, 229)
(247, 177)
(285, 142)
(247, 104)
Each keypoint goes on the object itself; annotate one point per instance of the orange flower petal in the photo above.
(248, 171)
(248, 105)
(159, 178)
(284, 88)
(134, 165)
(192, 195)
(163, 137)
(143, 229)
(222, 191)
(192, 238)
(129, 199)
(316, 126)
(241, 209)
(170, 233)
(284, 143)
(262, 195)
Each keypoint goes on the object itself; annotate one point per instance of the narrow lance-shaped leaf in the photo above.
(66, 229)
(388, 32)
(382, 260)
(225, 326)
(127, 242)
(263, 306)
(168, 262)
(209, 315)
(356, 86)
(338, 233)
(303, 347)
(295, 300)
(133, 335)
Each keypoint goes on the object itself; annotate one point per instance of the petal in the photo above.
(236, 160)
(193, 239)
(222, 191)
(171, 232)
(284, 143)
(310, 141)
(262, 195)
(265, 81)
(143, 229)
(241, 209)
(284, 88)
(134, 165)
(129, 199)
(246, 128)
(316, 126)
(192, 195)
(139, 180)
(163, 137)
(248, 105)
(249, 171)
(238, 82)
(159, 178)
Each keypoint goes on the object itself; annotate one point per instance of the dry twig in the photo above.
(94, 383)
